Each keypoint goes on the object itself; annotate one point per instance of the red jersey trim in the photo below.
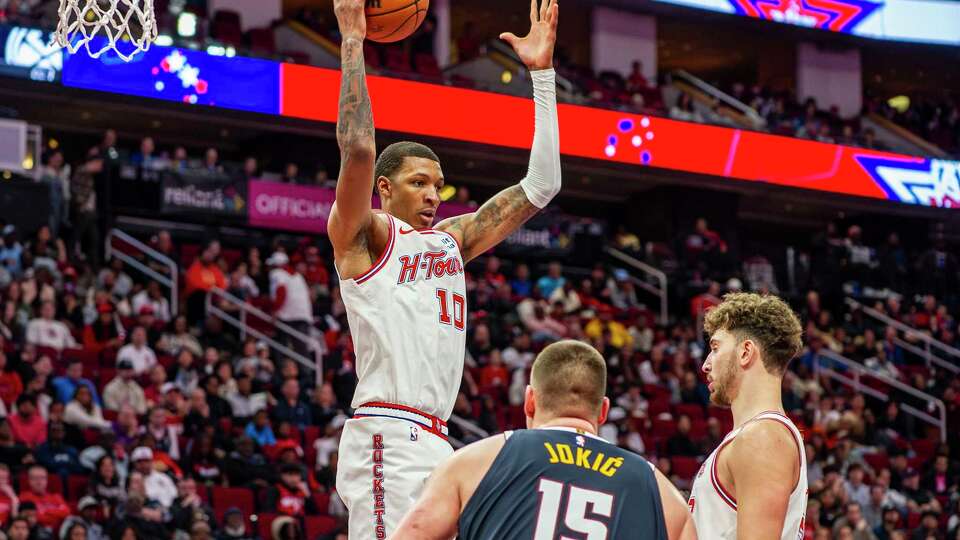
(715, 479)
(436, 423)
(382, 261)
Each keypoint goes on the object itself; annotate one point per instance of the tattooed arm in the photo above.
(512, 207)
(353, 230)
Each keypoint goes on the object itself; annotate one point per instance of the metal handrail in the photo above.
(171, 281)
(931, 359)
(930, 342)
(722, 96)
(655, 273)
(859, 370)
(245, 328)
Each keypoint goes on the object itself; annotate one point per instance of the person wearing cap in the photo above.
(290, 496)
(51, 508)
(234, 526)
(291, 298)
(919, 500)
(87, 506)
(66, 385)
(105, 331)
(619, 336)
(158, 485)
(124, 390)
(137, 352)
(46, 331)
(152, 297)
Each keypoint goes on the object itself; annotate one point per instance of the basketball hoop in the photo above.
(130, 22)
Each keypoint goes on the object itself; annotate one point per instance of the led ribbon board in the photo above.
(925, 21)
(493, 119)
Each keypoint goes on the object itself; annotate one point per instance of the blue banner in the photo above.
(182, 75)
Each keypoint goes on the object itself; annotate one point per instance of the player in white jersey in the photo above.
(754, 485)
(402, 282)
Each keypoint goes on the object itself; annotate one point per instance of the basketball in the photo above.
(392, 20)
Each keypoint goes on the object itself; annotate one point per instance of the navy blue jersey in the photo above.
(556, 482)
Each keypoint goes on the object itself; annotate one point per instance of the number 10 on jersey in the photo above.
(456, 302)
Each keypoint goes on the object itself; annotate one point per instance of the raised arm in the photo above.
(351, 215)
(512, 207)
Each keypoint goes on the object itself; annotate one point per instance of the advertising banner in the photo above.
(274, 205)
(202, 194)
(640, 140)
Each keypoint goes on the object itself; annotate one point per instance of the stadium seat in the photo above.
(694, 411)
(225, 497)
(310, 434)
(685, 467)
(877, 461)
(54, 483)
(924, 448)
(77, 486)
(265, 520)
(322, 501)
(87, 356)
(664, 428)
(426, 64)
(261, 41)
(317, 526)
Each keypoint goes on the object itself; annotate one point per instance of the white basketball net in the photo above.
(130, 22)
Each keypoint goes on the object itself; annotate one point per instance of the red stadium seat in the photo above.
(664, 428)
(261, 41)
(87, 356)
(877, 461)
(77, 486)
(265, 520)
(310, 434)
(225, 497)
(924, 448)
(54, 483)
(685, 467)
(694, 411)
(322, 501)
(317, 526)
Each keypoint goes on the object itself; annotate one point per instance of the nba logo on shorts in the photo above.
(414, 433)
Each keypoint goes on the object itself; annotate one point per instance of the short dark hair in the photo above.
(570, 378)
(391, 159)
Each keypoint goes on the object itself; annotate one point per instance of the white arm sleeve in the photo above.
(542, 182)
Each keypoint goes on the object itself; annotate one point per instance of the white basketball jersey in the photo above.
(407, 315)
(715, 510)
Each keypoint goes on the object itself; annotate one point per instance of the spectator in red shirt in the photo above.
(494, 375)
(702, 302)
(636, 81)
(10, 384)
(316, 273)
(8, 498)
(204, 274)
(51, 508)
(290, 496)
(28, 427)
